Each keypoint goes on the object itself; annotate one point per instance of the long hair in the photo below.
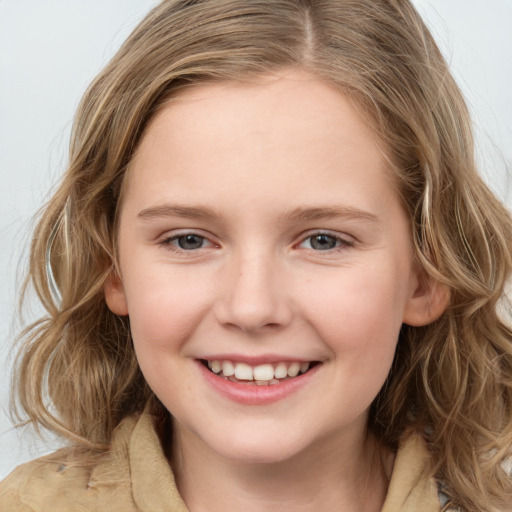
(77, 372)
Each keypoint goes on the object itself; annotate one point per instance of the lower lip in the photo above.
(252, 394)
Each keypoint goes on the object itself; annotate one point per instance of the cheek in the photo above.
(358, 300)
(164, 309)
(359, 317)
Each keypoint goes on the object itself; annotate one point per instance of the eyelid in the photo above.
(166, 239)
(345, 239)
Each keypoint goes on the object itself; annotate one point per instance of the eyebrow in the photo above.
(298, 214)
(332, 212)
(174, 210)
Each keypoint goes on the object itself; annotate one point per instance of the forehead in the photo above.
(276, 99)
(285, 131)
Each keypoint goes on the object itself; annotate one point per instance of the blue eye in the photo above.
(188, 242)
(324, 242)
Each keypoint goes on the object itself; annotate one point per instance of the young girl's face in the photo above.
(260, 231)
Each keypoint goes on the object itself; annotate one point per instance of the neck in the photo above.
(330, 476)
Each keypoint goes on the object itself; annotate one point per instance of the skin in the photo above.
(256, 171)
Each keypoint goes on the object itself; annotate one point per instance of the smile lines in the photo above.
(262, 375)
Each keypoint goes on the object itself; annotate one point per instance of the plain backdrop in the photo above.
(51, 49)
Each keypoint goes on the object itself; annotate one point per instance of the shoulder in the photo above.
(62, 482)
(413, 486)
(133, 476)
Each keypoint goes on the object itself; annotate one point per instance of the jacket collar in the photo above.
(154, 488)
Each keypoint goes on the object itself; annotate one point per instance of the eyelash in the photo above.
(341, 243)
(168, 242)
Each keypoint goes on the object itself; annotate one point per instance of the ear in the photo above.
(114, 294)
(427, 302)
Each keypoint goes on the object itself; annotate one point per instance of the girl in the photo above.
(272, 275)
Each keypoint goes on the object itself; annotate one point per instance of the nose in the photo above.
(254, 295)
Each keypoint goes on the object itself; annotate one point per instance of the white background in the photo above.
(51, 49)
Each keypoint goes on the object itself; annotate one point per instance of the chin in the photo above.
(258, 449)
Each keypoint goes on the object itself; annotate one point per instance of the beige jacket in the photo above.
(135, 477)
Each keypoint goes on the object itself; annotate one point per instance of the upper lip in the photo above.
(253, 360)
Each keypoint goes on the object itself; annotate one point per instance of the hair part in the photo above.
(453, 376)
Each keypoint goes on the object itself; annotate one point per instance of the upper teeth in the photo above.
(262, 372)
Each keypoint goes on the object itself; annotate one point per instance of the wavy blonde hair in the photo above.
(77, 373)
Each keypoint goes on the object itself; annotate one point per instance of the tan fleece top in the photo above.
(136, 477)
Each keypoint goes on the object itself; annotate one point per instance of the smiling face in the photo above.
(260, 231)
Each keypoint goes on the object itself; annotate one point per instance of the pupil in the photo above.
(323, 242)
(189, 242)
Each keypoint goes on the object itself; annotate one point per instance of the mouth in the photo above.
(268, 374)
